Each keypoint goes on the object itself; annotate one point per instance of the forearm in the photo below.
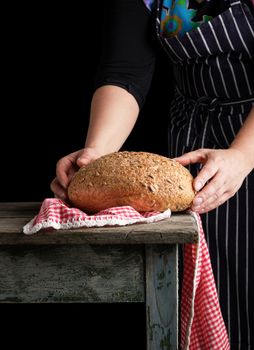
(114, 112)
(244, 141)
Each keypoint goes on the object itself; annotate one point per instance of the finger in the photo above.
(58, 190)
(206, 173)
(83, 160)
(62, 171)
(198, 156)
(209, 204)
(218, 198)
(211, 195)
(86, 157)
(212, 191)
(213, 204)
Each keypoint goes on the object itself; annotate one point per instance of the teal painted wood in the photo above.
(162, 297)
(81, 273)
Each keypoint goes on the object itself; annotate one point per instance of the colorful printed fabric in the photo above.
(181, 16)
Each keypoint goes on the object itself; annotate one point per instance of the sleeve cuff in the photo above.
(133, 90)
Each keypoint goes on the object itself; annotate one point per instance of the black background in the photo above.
(50, 53)
(51, 56)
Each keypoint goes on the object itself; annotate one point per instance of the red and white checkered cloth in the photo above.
(202, 325)
(56, 214)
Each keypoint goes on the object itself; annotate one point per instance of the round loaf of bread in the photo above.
(145, 181)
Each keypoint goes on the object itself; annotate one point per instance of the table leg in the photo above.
(162, 297)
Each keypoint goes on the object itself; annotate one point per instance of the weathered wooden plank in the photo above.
(178, 229)
(162, 297)
(71, 274)
(19, 209)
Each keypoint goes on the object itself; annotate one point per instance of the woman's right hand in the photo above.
(67, 166)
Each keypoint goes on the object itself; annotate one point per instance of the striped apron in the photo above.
(214, 75)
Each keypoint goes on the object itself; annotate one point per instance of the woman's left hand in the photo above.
(224, 169)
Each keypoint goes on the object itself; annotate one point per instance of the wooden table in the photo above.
(135, 263)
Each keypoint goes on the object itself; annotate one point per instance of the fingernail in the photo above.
(198, 186)
(197, 201)
(82, 160)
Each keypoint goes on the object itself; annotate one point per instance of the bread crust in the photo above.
(145, 181)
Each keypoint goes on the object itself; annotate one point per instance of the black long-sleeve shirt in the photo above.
(129, 44)
(128, 49)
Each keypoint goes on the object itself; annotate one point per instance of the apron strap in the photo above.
(210, 104)
(234, 2)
